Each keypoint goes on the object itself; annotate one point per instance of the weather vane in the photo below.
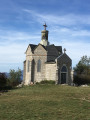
(45, 26)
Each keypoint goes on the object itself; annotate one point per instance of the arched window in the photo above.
(39, 66)
(64, 69)
(28, 66)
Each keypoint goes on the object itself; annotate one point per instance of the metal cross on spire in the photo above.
(45, 26)
(64, 50)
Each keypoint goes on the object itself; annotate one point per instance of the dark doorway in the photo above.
(63, 75)
(63, 78)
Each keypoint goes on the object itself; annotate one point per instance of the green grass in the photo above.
(46, 102)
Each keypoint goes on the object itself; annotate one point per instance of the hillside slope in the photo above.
(46, 102)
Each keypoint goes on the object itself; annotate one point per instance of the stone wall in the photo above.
(39, 76)
(40, 54)
(24, 71)
(50, 71)
(29, 57)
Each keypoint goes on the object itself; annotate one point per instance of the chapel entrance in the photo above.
(63, 75)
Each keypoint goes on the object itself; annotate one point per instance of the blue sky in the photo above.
(21, 24)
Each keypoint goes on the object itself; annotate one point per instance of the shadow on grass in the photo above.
(7, 88)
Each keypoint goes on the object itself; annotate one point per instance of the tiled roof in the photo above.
(63, 54)
(32, 46)
(59, 48)
(47, 48)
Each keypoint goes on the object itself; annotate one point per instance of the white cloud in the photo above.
(81, 33)
(12, 53)
(13, 36)
(13, 45)
(67, 19)
(70, 32)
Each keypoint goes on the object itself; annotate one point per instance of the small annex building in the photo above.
(46, 61)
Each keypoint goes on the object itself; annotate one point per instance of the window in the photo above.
(39, 66)
(28, 66)
(64, 69)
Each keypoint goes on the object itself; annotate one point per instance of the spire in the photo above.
(45, 26)
(64, 50)
(44, 36)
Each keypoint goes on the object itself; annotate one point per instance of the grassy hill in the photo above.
(46, 102)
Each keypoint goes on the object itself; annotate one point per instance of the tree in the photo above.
(15, 77)
(83, 66)
(3, 80)
(82, 71)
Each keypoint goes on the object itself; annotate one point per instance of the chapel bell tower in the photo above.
(44, 37)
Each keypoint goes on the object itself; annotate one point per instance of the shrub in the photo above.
(46, 82)
(3, 81)
(81, 79)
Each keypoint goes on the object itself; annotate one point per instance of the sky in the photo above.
(21, 22)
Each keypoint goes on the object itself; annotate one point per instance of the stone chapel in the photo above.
(46, 61)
